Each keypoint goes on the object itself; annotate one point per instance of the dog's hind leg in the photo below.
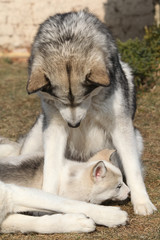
(56, 223)
(19, 199)
(8, 148)
(32, 143)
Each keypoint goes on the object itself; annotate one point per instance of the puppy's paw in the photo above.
(117, 218)
(62, 223)
(144, 207)
(80, 223)
(110, 216)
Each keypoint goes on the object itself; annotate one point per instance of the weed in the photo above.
(143, 56)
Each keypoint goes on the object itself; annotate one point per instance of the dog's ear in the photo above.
(99, 171)
(36, 81)
(99, 75)
(104, 155)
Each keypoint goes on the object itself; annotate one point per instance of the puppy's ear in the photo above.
(104, 155)
(99, 171)
(99, 75)
(36, 81)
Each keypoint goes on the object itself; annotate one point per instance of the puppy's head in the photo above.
(107, 183)
(68, 65)
(95, 181)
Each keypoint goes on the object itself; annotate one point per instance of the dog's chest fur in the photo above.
(92, 136)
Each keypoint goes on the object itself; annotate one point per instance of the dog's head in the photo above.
(70, 83)
(95, 181)
(107, 183)
(106, 178)
(69, 64)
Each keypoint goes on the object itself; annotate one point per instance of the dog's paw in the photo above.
(79, 223)
(117, 218)
(110, 216)
(144, 208)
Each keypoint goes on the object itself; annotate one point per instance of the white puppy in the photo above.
(93, 182)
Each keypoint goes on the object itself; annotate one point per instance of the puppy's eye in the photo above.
(119, 186)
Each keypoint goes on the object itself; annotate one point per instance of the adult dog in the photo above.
(88, 100)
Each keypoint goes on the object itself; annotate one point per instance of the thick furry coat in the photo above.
(88, 100)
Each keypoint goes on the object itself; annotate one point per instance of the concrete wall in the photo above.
(19, 19)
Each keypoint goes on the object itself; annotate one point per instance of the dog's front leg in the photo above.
(124, 140)
(55, 139)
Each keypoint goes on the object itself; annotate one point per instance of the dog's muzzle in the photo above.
(74, 126)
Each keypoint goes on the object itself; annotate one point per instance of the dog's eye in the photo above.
(48, 88)
(119, 186)
(47, 79)
(89, 85)
(89, 82)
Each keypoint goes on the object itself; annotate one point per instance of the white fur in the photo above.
(14, 199)
(29, 143)
(120, 126)
(74, 116)
(48, 224)
(78, 181)
(85, 52)
(54, 163)
(8, 148)
(107, 124)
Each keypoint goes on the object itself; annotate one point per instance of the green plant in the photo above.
(143, 56)
(8, 60)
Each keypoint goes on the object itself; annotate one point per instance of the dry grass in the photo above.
(18, 112)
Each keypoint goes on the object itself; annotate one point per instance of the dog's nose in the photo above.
(74, 125)
(129, 195)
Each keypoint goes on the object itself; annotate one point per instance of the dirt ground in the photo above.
(17, 114)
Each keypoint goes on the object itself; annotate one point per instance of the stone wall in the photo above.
(19, 19)
(127, 18)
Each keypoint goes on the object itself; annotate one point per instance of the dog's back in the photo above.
(27, 173)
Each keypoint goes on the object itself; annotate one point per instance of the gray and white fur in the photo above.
(93, 182)
(88, 101)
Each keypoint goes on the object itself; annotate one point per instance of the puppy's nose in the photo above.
(74, 125)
